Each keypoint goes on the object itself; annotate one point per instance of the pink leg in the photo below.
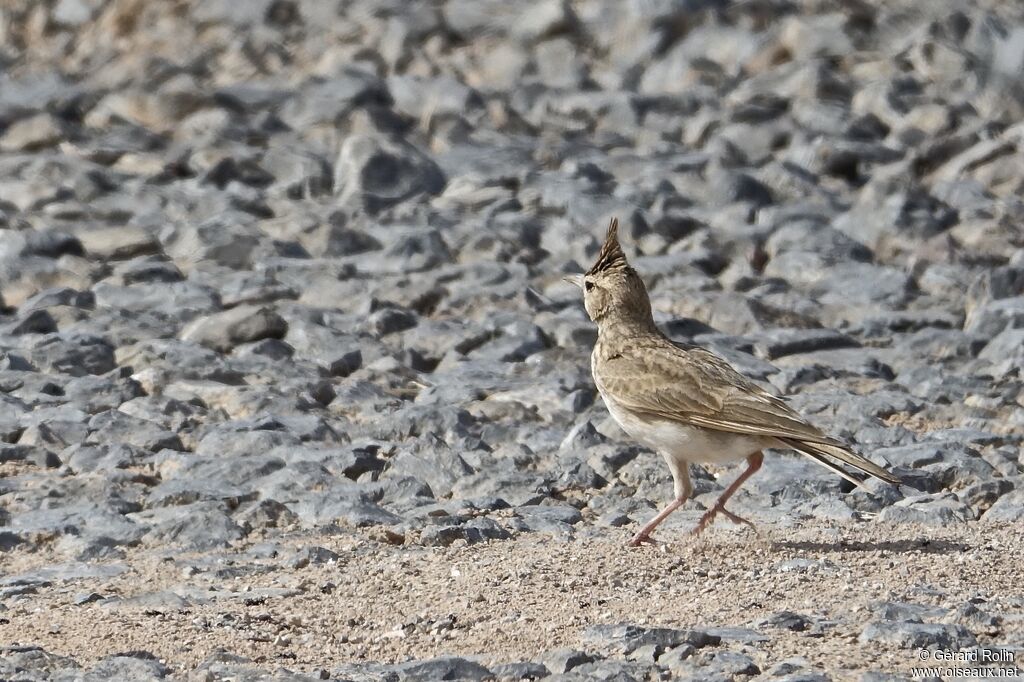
(645, 533)
(683, 490)
(753, 464)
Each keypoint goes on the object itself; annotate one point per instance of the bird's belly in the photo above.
(684, 442)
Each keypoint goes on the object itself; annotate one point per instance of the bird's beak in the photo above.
(575, 279)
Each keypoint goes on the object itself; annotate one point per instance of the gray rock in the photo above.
(714, 665)
(305, 556)
(779, 343)
(62, 573)
(423, 98)
(433, 462)
(218, 11)
(793, 670)
(9, 541)
(160, 602)
(341, 506)
(138, 665)
(968, 614)
(327, 100)
(1008, 508)
(905, 611)
(813, 235)
(525, 670)
(625, 639)
(248, 439)
(981, 496)
(337, 352)
(885, 324)
(914, 213)
(445, 668)
(74, 13)
(52, 427)
(391, 320)
(512, 343)
(607, 669)
(94, 394)
(412, 251)
(29, 452)
(45, 243)
(227, 239)
(996, 283)
(991, 318)
(957, 476)
(87, 598)
(32, 134)
(297, 172)
(35, 663)
(244, 324)
(34, 322)
(177, 300)
(563, 660)
(804, 676)
(92, 522)
(241, 288)
(542, 515)
(746, 635)
(863, 284)
(1005, 349)
(10, 361)
(787, 620)
(201, 525)
(673, 658)
(266, 513)
(375, 173)
(84, 458)
(72, 353)
(918, 455)
(477, 530)
(115, 427)
(116, 243)
(910, 635)
(929, 510)
(529, 21)
(583, 436)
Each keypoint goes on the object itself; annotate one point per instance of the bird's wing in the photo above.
(697, 387)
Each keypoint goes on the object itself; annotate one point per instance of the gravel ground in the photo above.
(804, 598)
(291, 386)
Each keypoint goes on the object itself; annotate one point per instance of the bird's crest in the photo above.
(611, 256)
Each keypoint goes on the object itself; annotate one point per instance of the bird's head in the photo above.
(612, 290)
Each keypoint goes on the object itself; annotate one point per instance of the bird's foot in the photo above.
(739, 520)
(703, 523)
(641, 539)
(710, 515)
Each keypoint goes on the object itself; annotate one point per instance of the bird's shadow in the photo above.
(924, 546)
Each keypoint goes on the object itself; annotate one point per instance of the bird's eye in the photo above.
(589, 286)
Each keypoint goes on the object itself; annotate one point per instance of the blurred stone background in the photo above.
(295, 266)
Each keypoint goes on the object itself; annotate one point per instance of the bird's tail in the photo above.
(823, 453)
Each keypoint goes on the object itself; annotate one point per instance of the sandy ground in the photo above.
(507, 601)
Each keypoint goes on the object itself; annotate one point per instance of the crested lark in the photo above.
(685, 402)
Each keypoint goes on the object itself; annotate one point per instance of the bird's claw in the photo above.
(710, 514)
(640, 539)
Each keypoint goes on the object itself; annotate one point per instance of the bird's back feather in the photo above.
(651, 376)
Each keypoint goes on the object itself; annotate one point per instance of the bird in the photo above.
(686, 403)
